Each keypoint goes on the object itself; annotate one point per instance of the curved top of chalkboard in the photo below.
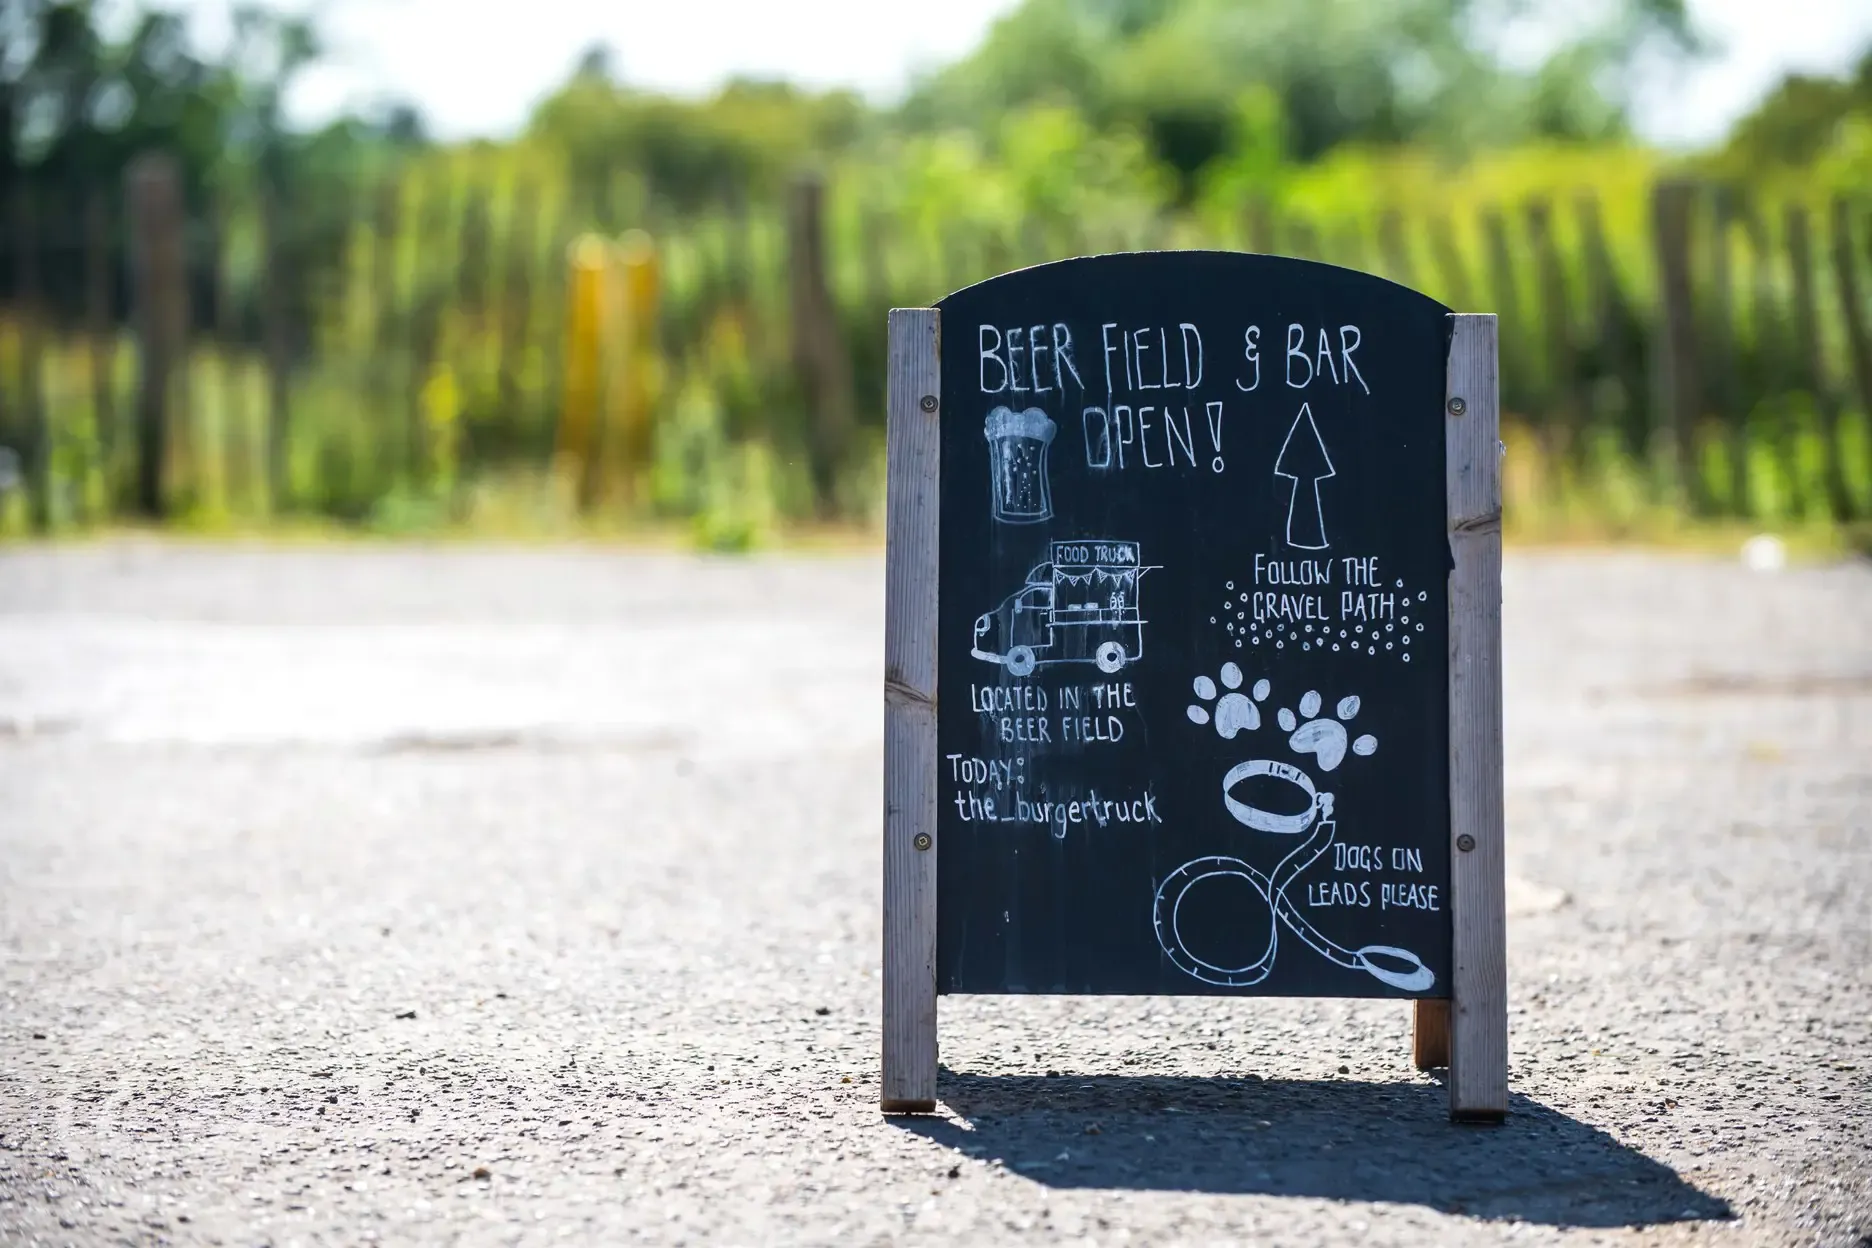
(1147, 265)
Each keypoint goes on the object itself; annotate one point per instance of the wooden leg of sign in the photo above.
(1478, 1066)
(909, 1074)
(1430, 1034)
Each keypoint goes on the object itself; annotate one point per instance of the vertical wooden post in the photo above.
(1478, 1078)
(1568, 420)
(1394, 247)
(1505, 293)
(1677, 355)
(877, 284)
(274, 305)
(1813, 363)
(587, 263)
(1451, 271)
(1261, 229)
(1430, 1033)
(738, 247)
(155, 193)
(32, 403)
(910, 560)
(1617, 345)
(1770, 372)
(1858, 340)
(516, 305)
(386, 322)
(818, 349)
(626, 431)
(425, 332)
(233, 454)
(102, 346)
(1348, 241)
(1719, 347)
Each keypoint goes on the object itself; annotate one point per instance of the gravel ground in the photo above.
(490, 896)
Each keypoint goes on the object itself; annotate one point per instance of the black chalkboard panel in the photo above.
(1192, 643)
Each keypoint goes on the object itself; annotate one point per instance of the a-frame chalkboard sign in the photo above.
(1193, 651)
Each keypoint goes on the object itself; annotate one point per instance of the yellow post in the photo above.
(579, 415)
(632, 365)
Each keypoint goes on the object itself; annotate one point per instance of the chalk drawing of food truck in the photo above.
(1081, 606)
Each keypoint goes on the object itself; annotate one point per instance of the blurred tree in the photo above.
(74, 107)
(739, 143)
(1341, 71)
(1798, 121)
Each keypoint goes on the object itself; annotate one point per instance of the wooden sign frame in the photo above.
(1468, 1031)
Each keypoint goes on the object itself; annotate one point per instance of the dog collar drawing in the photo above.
(1326, 739)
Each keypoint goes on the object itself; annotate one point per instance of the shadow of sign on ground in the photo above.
(1336, 1139)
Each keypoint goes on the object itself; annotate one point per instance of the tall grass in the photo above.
(440, 356)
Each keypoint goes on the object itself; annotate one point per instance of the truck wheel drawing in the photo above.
(1081, 606)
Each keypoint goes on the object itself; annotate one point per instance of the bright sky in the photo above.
(474, 73)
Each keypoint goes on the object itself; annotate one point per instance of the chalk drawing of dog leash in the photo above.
(1408, 972)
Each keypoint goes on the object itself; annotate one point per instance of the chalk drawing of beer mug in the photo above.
(1017, 456)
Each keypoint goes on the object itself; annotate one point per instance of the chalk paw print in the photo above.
(1234, 711)
(1321, 737)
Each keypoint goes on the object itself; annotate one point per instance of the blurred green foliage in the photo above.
(421, 289)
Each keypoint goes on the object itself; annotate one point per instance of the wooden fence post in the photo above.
(516, 300)
(1478, 1076)
(1568, 417)
(1858, 341)
(1349, 242)
(588, 268)
(234, 453)
(1618, 346)
(156, 214)
(32, 404)
(1261, 228)
(386, 321)
(1678, 380)
(876, 244)
(276, 266)
(425, 333)
(1813, 363)
(1505, 293)
(1394, 248)
(914, 461)
(738, 247)
(1765, 313)
(1718, 341)
(1451, 270)
(626, 434)
(1303, 240)
(101, 331)
(818, 348)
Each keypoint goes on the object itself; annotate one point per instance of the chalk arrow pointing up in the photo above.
(1303, 460)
